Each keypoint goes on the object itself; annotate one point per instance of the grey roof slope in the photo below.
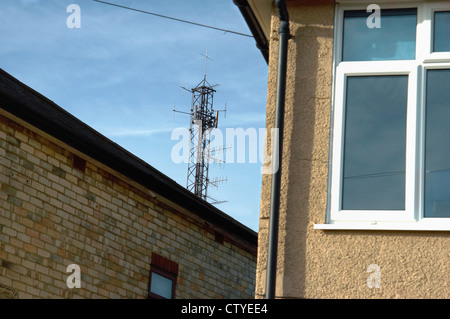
(37, 110)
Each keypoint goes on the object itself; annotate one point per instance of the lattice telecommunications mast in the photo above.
(203, 119)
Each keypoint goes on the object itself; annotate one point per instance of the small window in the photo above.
(163, 278)
(161, 286)
(394, 40)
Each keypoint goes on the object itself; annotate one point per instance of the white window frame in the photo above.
(412, 218)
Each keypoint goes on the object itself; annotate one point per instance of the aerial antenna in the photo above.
(206, 61)
(203, 119)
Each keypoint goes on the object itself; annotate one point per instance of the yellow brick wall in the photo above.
(53, 215)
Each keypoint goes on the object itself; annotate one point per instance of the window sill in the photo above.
(399, 226)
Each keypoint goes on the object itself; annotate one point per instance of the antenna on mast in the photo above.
(203, 119)
(206, 61)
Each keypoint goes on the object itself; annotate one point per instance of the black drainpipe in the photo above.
(283, 37)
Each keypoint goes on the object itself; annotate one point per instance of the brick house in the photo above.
(364, 200)
(69, 198)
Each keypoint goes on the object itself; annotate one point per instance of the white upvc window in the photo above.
(390, 154)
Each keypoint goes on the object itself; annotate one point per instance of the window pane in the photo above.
(441, 31)
(437, 149)
(375, 143)
(394, 40)
(161, 285)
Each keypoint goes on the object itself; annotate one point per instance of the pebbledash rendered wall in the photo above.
(53, 214)
(316, 263)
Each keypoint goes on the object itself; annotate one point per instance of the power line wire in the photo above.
(175, 19)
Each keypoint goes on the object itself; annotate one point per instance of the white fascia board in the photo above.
(263, 12)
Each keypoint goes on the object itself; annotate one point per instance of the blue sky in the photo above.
(121, 74)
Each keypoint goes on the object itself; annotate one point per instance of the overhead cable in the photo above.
(175, 19)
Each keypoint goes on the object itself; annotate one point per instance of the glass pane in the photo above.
(441, 31)
(375, 143)
(437, 139)
(161, 285)
(394, 40)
